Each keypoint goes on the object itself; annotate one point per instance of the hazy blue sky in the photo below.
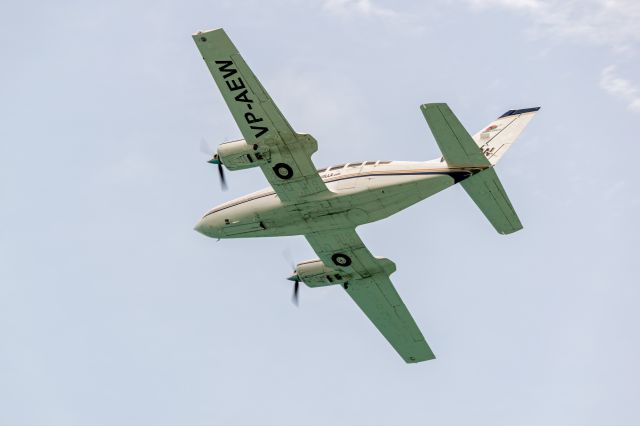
(113, 311)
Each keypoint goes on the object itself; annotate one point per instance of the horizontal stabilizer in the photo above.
(487, 192)
(457, 146)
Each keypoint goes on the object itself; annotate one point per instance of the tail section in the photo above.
(496, 138)
(487, 192)
(457, 146)
(482, 151)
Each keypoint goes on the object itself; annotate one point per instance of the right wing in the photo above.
(259, 119)
(373, 291)
(381, 303)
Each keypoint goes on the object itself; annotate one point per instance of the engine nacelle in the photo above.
(315, 273)
(237, 155)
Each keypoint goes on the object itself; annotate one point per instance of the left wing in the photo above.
(290, 170)
(372, 290)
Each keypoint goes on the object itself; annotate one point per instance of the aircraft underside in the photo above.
(327, 205)
(356, 202)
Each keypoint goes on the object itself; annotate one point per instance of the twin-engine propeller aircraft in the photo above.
(327, 205)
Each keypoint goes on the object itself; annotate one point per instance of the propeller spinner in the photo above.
(205, 148)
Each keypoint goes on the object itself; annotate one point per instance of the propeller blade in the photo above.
(286, 254)
(205, 148)
(223, 183)
(294, 298)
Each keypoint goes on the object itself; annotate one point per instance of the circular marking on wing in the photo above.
(283, 171)
(341, 259)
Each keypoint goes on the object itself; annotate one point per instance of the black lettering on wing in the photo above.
(242, 97)
(235, 84)
(262, 130)
(251, 118)
(225, 68)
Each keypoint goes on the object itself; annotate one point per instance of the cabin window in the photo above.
(337, 167)
(354, 164)
(384, 162)
(369, 163)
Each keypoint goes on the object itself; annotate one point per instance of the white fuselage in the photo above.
(359, 193)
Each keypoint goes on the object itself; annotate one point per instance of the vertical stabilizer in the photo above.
(496, 138)
(478, 155)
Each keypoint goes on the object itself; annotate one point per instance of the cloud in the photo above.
(620, 88)
(401, 22)
(613, 23)
(358, 7)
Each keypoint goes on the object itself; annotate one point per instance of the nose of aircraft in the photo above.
(211, 225)
(206, 227)
(200, 227)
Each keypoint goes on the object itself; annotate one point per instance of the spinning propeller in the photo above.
(206, 149)
(296, 286)
(295, 277)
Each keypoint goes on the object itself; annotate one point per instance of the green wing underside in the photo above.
(259, 119)
(487, 192)
(373, 292)
(457, 146)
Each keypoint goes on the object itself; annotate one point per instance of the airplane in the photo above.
(326, 205)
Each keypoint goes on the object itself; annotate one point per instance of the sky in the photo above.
(114, 311)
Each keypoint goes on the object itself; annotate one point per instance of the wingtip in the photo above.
(519, 111)
(420, 358)
(432, 104)
(200, 33)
